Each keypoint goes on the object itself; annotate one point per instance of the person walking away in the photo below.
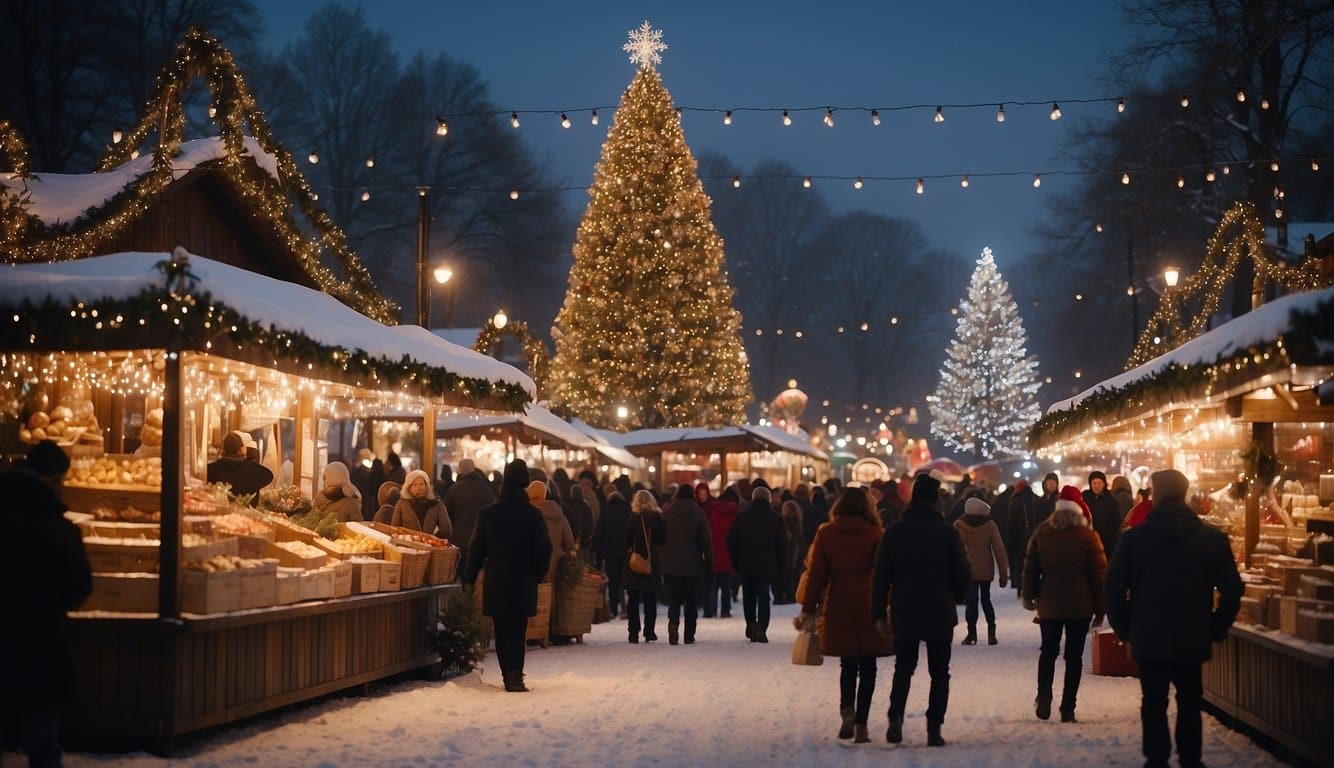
(921, 559)
(558, 528)
(1125, 499)
(985, 550)
(360, 472)
(1064, 569)
(419, 509)
(838, 588)
(512, 544)
(1000, 512)
(338, 496)
(609, 548)
(245, 477)
(469, 494)
(393, 466)
(1022, 523)
(644, 535)
(686, 556)
(810, 523)
(1140, 512)
(796, 552)
(757, 545)
(721, 513)
(580, 517)
(891, 504)
(1105, 509)
(1160, 599)
(445, 481)
(36, 657)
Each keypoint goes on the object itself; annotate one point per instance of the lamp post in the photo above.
(423, 245)
(1171, 276)
(499, 320)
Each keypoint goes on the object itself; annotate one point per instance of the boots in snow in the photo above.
(933, 737)
(860, 734)
(971, 638)
(514, 682)
(991, 635)
(845, 730)
(894, 734)
(1044, 706)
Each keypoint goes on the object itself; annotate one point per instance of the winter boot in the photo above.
(845, 730)
(894, 735)
(634, 636)
(1068, 716)
(971, 638)
(514, 682)
(933, 737)
(673, 635)
(991, 635)
(860, 734)
(750, 632)
(760, 635)
(1044, 706)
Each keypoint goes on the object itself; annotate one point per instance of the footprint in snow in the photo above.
(397, 732)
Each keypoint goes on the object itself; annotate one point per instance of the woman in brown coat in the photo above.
(838, 585)
(1063, 577)
(982, 541)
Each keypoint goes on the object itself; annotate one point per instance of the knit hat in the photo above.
(760, 493)
(1052, 476)
(976, 506)
(413, 475)
(335, 474)
(537, 492)
(47, 460)
(388, 494)
(1073, 500)
(516, 476)
(926, 488)
(1169, 484)
(1095, 474)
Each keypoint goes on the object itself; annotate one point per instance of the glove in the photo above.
(1029, 605)
(1097, 620)
(882, 626)
(1003, 582)
(803, 621)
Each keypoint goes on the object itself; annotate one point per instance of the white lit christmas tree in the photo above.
(986, 400)
(648, 335)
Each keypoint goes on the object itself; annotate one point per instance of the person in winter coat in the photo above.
(580, 517)
(387, 496)
(838, 588)
(469, 494)
(1022, 523)
(1105, 510)
(1160, 599)
(1139, 513)
(818, 514)
(686, 556)
(757, 545)
(891, 504)
(1064, 569)
(511, 543)
(1046, 504)
(1000, 510)
(558, 528)
(561, 482)
(1071, 493)
(982, 542)
(393, 467)
(809, 523)
(645, 535)
(609, 548)
(246, 477)
(921, 559)
(360, 472)
(445, 481)
(721, 513)
(796, 552)
(1125, 498)
(36, 657)
(419, 509)
(338, 496)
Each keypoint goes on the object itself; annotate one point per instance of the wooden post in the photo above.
(303, 470)
(722, 472)
(428, 441)
(173, 476)
(1261, 432)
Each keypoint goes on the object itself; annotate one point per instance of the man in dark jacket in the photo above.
(512, 543)
(1046, 504)
(464, 499)
(580, 516)
(686, 556)
(1105, 509)
(246, 477)
(50, 574)
(757, 544)
(1022, 513)
(609, 547)
(1000, 513)
(922, 559)
(1160, 599)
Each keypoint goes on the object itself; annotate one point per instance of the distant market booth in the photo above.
(535, 434)
(725, 454)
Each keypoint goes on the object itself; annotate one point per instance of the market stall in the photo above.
(1246, 413)
(685, 454)
(207, 606)
(536, 435)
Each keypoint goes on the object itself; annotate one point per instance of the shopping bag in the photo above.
(806, 651)
(1111, 657)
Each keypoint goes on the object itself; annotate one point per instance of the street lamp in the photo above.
(443, 273)
(500, 320)
(622, 412)
(1171, 276)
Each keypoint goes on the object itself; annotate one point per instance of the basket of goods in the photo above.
(443, 565)
(113, 472)
(299, 554)
(253, 535)
(214, 585)
(350, 544)
(207, 499)
(577, 588)
(284, 500)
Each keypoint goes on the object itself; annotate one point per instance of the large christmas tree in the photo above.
(648, 323)
(986, 399)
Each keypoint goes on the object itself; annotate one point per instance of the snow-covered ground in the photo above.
(723, 701)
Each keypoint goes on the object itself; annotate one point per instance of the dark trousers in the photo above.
(718, 593)
(755, 600)
(907, 642)
(683, 591)
(39, 728)
(1076, 632)
(1154, 678)
(633, 598)
(613, 570)
(510, 631)
(851, 695)
(979, 590)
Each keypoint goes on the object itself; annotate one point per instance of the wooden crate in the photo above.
(317, 585)
(294, 560)
(123, 556)
(286, 530)
(287, 586)
(365, 575)
(342, 579)
(109, 530)
(1316, 626)
(224, 546)
(83, 498)
(444, 565)
(259, 585)
(1289, 606)
(413, 558)
(253, 547)
(391, 576)
(210, 591)
(123, 592)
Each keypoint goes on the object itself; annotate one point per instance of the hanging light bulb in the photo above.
(365, 196)
(1209, 175)
(514, 119)
(514, 194)
(1097, 228)
(1278, 212)
(564, 120)
(806, 182)
(1037, 180)
(727, 118)
(1120, 105)
(1227, 169)
(787, 119)
(921, 185)
(116, 136)
(134, 155)
(964, 182)
(894, 320)
(940, 115)
(1315, 164)
(212, 111)
(1241, 95)
(1264, 103)
(875, 117)
(866, 327)
(1181, 182)
(594, 118)
(1000, 113)
(1273, 166)
(441, 127)
(736, 182)
(858, 183)
(370, 162)
(1185, 102)
(313, 157)
(1130, 290)
(1125, 178)
(1055, 111)
(829, 117)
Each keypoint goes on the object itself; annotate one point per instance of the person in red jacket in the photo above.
(721, 513)
(1071, 493)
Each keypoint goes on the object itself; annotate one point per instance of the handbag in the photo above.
(638, 563)
(806, 650)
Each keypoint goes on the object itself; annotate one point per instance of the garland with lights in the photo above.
(1167, 330)
(233, 109)
(535, 352)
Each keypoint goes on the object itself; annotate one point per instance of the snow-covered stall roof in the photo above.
(62, 198)
(539, 420)
(264, 300)
(753, 437)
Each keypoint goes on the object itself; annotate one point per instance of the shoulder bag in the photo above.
(638, 563)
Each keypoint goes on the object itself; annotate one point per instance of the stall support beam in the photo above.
(304, 461)
(1261, 432)
(428, 442)
(722, 472)
(173, 471)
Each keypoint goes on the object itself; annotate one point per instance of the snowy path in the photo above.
(723, 701)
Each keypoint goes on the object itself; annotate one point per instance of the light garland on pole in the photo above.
(535, 352)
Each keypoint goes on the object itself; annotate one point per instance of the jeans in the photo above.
(613, 570)
(978, 589)
(852, 696)
(718, 591)
(1154, 678)
(683, 590)
(510, 631)
(633, 598)
(907, 641)
(1076, 632)
(755, 601)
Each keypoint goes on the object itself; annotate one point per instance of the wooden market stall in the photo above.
(684, 454)
(218, 612)
(536, 435)
(1246, 412)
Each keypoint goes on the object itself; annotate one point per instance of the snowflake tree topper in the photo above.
(645, 46)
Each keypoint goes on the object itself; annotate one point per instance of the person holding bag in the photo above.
(643, 575)
(837, 584)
